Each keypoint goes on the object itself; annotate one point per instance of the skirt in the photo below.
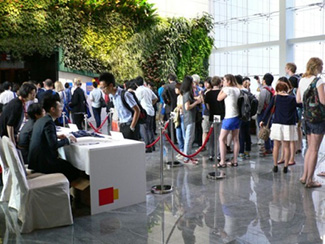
(281, 132)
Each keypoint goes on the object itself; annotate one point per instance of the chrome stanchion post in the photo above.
(109, 123)
(172, 163)
(63, 116)
(161, 189)
(86, 122)
(216, 175)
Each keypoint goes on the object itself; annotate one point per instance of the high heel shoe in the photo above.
(275, 169)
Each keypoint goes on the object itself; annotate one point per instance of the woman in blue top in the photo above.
(284, 123)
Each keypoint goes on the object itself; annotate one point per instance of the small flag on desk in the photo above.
(108, 195)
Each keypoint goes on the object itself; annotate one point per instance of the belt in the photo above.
(125, 124)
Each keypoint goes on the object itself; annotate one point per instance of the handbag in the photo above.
(265, 131)
(102, 102)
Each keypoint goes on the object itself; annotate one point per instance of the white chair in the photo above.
(44, 201)
(6, 176)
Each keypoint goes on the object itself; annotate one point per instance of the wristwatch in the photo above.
(132, 129)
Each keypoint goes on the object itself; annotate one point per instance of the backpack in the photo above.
(143, 113)
(314, 111)
(272, 92)
(244, 106)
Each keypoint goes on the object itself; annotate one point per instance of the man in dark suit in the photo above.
(78, 105)
(48, 90)
(169, 96)
(43, 155)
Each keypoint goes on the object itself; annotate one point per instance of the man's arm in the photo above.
(136, 115)
(11, 133)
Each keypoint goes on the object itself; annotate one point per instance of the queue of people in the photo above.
(195, 106)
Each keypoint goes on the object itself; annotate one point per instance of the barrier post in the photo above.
(86, 122)
(216, 175)
(161, 189)
(63, 116)
(172, 163)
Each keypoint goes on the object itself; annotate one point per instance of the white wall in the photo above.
(181, 8)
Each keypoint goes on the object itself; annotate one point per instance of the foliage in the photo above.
(122, 36)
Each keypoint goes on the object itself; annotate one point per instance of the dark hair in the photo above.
(33, 110)
(239, 79)
(95, 84)
(139, 81)
(48, 82)
(256, 77)
(285, 80)
(187, 85)
(40, 83)
(26, 88)
(108, 78)
(282, 86)
(172, 77)
(131, 84)
(246, 78)
(178, 86)
(216, 81)
(6, 85)
(49, 101)
(66, 85)
(268, 79)
(231, 78)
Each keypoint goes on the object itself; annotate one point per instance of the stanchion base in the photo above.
(157, 189)
(174, 165)
(216, 175)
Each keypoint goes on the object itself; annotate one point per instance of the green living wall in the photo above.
(125, 37)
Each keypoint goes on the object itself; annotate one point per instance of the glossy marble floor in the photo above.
(251, 205)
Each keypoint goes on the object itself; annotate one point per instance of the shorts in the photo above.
(314, 128)
(231, 123)
(205, 124)
(281, 132)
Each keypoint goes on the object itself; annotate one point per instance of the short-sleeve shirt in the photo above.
(231, 101)
(189, 115)
(216, 107)
(95, 96)
(145, 97)
(12, 115)
(124, 114)
(305, 82)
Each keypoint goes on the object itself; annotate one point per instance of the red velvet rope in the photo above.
(197, 152)
(102, 124)
(158, 138)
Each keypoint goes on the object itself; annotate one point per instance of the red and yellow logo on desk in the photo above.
(107, 196)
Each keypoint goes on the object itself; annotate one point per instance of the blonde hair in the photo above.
(77, 81)
(58, 86)
(313, 67)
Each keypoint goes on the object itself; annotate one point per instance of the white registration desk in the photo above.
(116, 169)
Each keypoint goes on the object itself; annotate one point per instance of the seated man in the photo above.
(43, 154)
(35, 112)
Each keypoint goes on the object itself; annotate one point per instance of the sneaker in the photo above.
(247, 155)
(229, 149)
(178, 156)
(266, 153)
(242, 156)
(211, 158)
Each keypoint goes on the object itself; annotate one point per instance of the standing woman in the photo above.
(231, 123)
(315, 131)
(189, 111)
(284, 123)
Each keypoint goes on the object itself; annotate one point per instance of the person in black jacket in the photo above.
(43, 154)
(169, 96)
(78, 105)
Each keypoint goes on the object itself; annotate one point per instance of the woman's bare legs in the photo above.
(223, 145)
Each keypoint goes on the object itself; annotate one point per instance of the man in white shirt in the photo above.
(147, 99)
(7, 95)
(95, 96)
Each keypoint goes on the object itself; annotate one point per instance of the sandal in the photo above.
(232, 164)
(321, 174)
(281, 162)
(292, 163)
(313, 184)
(219, 165)
(302, 181)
